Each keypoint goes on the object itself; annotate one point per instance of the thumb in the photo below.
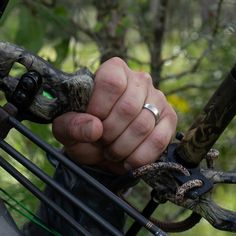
(73, 127)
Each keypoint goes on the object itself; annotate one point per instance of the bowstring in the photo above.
(21, 209)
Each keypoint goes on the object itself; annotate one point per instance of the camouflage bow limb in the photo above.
(187, 189)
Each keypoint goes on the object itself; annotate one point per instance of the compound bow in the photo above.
(176, 177)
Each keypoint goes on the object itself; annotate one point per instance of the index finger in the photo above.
(110, 84)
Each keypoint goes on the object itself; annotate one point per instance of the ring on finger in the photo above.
(153, 109)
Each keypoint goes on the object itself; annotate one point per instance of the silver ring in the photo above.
(153, 110)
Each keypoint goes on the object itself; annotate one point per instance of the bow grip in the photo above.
(68, 92)
(209, 124)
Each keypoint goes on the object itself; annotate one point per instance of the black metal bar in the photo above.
(77, 170)
(3, 5)
(48, 180)
(32, 188)
(147, 212)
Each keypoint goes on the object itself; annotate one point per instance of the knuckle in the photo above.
(128, 109)
(171, 114)
(112, 76)
(141, 127)
(144, 76)
(114, 83)
(117, 61)
(160, 141)
(161, 95)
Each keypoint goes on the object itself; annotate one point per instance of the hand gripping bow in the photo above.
(176, 178)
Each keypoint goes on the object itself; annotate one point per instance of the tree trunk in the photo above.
(156, 44)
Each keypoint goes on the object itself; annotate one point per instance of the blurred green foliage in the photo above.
(69, 35)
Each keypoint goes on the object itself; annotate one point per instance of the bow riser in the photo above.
(69, 92)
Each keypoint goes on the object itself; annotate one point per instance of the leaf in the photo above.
(62, 50)
(61, 11)
(31, 31)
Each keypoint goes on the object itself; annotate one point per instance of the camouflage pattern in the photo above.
(71, 92)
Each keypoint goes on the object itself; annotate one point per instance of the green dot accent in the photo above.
(47, 95)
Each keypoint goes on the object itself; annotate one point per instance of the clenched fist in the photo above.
(117, 133)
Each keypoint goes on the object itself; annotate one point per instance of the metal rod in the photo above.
(32, 188)
(77, 170)
(48, 180)
(147, 212)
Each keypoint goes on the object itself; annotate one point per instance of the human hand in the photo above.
(116, 133)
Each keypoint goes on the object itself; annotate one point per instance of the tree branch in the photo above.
(192, 70)
(186, 87)
(196, 65)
